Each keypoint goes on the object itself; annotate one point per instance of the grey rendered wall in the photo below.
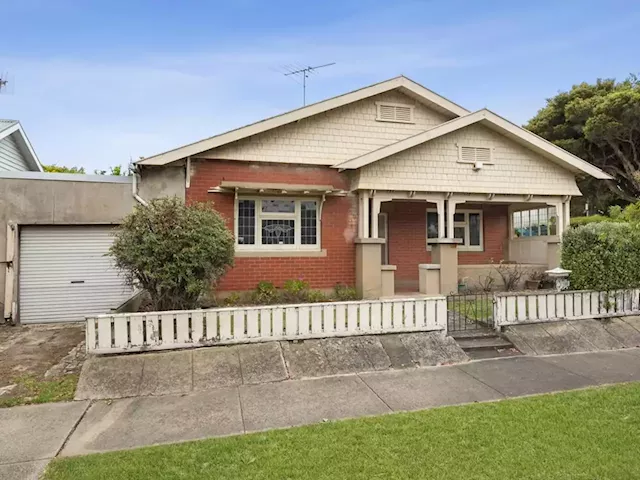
(162, 182)
(55, 202)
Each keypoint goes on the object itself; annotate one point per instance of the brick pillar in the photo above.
(445, 253)
(368, 267)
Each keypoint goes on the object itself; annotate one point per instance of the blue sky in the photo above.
(95, 83)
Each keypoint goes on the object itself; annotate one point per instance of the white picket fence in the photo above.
(513, 308)
(128, 332)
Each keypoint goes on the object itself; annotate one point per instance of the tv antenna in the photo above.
(304, 73)
(3, 82)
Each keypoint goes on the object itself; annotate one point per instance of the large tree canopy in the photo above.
(600, 123)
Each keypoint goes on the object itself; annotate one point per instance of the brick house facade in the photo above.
(375, 182)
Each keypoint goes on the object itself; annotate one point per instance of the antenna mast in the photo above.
(3, 82)
(304, 72)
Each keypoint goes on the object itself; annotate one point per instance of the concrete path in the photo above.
(136, 422)
(30, 436)
(574, 336)
(204, 369)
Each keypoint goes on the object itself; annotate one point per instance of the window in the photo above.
(394, 112)
(277, 223)
(467, 226)
(537, 222)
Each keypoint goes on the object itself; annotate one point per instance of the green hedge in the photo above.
(602, 256)
(579, 221)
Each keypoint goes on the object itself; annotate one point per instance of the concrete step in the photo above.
(492, 353)
(475, 333)
(476, 343)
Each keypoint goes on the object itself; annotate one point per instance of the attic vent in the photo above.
(475, 154)
(394, 112)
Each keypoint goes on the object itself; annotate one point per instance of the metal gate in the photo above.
(472, 311)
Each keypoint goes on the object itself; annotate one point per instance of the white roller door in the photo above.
(65, 275)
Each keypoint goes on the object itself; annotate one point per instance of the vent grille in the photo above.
(395, 113)
(475, 154)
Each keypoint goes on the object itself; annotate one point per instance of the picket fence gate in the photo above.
(513, 308)
(129, 332)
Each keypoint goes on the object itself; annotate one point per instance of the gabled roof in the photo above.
(10, 127)
(406, 85)
(492, 121)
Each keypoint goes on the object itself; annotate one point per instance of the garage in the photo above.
(64, 274)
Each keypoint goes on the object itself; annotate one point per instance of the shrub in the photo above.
(579, 221)
(602, 256)
(316, 296)
(265, 294)
(175, 252)
(511, 274)
(344, 293)
(295, 291)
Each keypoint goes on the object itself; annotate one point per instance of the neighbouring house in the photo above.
(391, 188)
(16, 152)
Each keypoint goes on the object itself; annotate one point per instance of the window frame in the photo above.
(260, 215)
(466, 247)
(529, 224)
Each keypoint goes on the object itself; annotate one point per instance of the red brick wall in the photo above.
(407, 243)
(339, 223)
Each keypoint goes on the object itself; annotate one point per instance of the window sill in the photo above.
(280, 253)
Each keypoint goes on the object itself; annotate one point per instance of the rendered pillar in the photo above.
(429, 280)
(553, 253)
(368, 267)
(388, 280)
(445, 252)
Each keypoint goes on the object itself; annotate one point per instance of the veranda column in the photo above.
(375, 212)
(363, 214)
(445, 253)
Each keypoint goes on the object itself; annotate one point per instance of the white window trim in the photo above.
(391, 104)
(466, 145)
(465, 224)
(258, 246)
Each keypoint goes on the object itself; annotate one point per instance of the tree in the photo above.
(53, 168)
(175, 252)
(600, 123)
(118, 171)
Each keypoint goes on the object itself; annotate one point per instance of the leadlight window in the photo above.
(277, 223)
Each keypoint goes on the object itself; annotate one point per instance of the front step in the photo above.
(485, 345)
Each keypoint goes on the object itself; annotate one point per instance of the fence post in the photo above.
(497, 312)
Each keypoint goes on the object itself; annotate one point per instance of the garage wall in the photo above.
(59, 199)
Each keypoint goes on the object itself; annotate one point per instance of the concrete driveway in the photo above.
(185, 371)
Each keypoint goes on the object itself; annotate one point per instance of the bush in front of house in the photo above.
(603, 256)
(175, 252)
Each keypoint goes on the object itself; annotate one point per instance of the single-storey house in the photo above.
(391, 187)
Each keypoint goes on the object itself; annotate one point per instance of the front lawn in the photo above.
(588, 434)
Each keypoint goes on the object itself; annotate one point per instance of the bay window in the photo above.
(277, 224)
(536, 222)
(467, 226)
